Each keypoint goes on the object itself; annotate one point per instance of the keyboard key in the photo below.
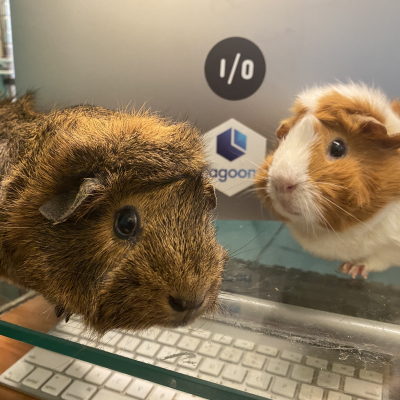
(253, 360)
(371, 376)
(285, 387)
(139, 389)
(190, 361)
(338, 396)
(308, 392)
(111, 338)
(118, 382)
(167, 354)
(234, 385)
(37, 378)
(187, 372)
(291, 356)
(367, 390)
(146, 360)
(278, 367)
(234, 373)
(258, 379)
(128, 343)
(165, 365)
(186, 396)
(56, 385)
(148, 349)
(107, 395)
(267, 350)
(230, 354)
(97, 375)
(302, 373)
(188, 343)
(150, 334)
(223, 339)
(209, 349)
(316, 362)
(162, 393)
(19, 371)
(211, 366)
(210, 378)
(78, 391)
(48, 359)
(328, 380)
(243, 344)
(78, 369)
(343, 369)
(169, 337)
(202, 334)
(125, 354)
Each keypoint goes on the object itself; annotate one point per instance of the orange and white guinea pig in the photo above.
(335, 176)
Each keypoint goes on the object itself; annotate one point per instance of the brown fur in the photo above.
(80, 265)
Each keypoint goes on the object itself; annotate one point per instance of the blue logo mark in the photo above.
(231, 146)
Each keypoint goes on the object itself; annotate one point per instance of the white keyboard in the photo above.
(273, 368)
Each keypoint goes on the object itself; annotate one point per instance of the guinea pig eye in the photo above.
(126, 223)
(337, 148)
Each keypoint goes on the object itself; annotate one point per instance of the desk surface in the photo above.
(34, 314)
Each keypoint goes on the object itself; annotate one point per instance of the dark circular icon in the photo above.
(235, 68)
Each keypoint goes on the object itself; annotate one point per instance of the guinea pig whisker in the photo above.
(254, 238)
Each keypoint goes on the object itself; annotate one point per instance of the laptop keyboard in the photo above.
(267, 366)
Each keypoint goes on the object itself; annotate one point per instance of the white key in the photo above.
(338, 396)
(188, 343)
(107, 395)
(164, 365)
(210, 378)
(367, 390)
(56, 385)
(302, 373)
(162, 393)
(328, 380)
(211, 366)
(106, 348)
(234, 385)
(78, 369)
(166, 354)
(186, 396)
(291, 356)
(111, 338)
(316, 362)
(278, 367)
(71, 329)
(234, 373)
(65, 336)
(128, 343)
(187, 372)
(125, 354)
(202, 334)
(223, 339)
(371, 376)
(258, 379)
(253, 360)
(150, 334)
(183, 331)
(169, 337)
(78, 391)
(230, 354)
(37, 378)
(148, 349)
(209, 349)
(267, 350)
(18, 371)
(146, 360)
(48, 359)
(343, 369)
(97, 375)
(243, 344)
(308, 392)
(285, 387)
(139, 389)
(118, 382)
(190, 361)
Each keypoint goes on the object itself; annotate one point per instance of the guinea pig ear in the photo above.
(378, 133)
(212, 198)
(283, 129)
(61, 207)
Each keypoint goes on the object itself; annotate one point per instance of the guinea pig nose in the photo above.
(181, 305)
(285, 186)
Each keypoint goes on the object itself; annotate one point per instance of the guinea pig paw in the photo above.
(354, 270)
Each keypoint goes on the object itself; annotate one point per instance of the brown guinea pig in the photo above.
(335, 176)
(107, 215)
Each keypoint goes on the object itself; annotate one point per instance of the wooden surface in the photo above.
(35, 314)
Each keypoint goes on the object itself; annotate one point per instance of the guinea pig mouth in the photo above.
(288, 207)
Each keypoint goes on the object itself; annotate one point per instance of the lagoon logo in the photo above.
(231, 146)
(234, 152)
